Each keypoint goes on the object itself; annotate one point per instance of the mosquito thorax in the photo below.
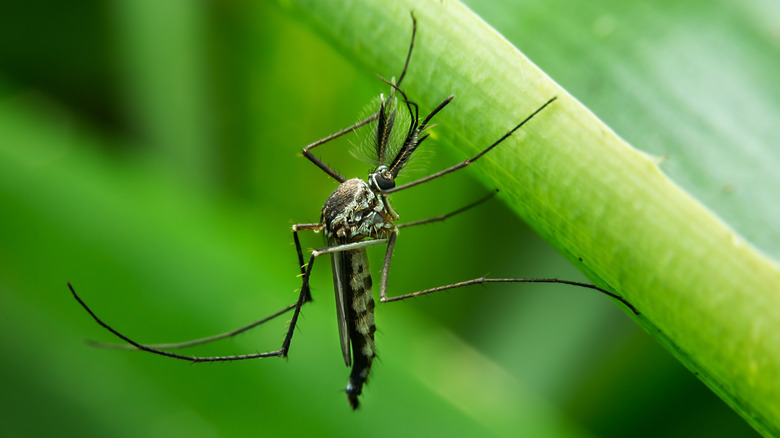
(354, 212)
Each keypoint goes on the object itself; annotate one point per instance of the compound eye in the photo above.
(385, 182)
(383, 179)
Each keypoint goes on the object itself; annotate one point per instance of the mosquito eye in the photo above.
(385, 183)
(382, 180)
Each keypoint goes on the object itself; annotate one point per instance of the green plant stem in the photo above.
(704, 292)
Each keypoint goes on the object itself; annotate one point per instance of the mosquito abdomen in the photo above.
(360, 323)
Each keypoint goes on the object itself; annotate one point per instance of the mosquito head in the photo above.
(381, 179)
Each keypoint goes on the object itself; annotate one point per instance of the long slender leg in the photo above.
(314, 254)
(200, 341)
(411, 48)
(391, 241)
(512, 280)
(408, 58)
(415, 111)
(166, 353)
(386, 269)
(307, 150)
(447, 215)
(470, 160)
(347, 247)
(303, 227)
(288, 337)
(391, 245)
(318, 162)
(386, 266)
(174, 346)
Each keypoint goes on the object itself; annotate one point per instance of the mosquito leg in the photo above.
(307, 273)
(470, 160)
(194, 342)
(302, 297)
(328, 250)
(200, 341)
(482, 280)
(386, 266)
(411, 48)
(447, 215)
(318, 162)
(174, 355)
(391, 242)
(414, 115)
(303, 227)
(281, 352)
(307, 150)
(348, 247)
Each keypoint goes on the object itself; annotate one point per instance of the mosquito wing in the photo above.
(340, 285)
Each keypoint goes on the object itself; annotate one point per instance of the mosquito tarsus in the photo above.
(358, 215)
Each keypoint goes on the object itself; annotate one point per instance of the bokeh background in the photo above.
(149, 154)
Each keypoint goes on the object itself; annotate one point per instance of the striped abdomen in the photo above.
(352, 279)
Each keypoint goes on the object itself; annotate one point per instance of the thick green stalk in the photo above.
(704, 292)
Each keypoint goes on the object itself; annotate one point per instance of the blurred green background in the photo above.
(149, 154)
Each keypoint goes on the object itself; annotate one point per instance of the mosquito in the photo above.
(358, 215)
